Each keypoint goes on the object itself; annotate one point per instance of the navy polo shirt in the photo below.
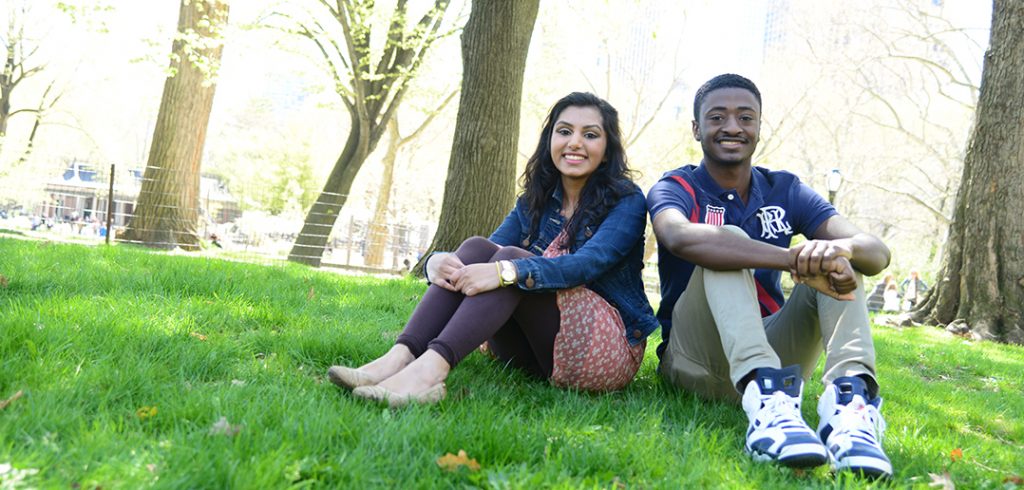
(778, 206)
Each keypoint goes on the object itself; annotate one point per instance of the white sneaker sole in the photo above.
(795, 456)
(863, 464)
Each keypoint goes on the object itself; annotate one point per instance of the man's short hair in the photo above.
(727, 80)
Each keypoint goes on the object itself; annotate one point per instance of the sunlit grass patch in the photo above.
(140, 369)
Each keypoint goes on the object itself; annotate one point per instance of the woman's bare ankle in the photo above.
(390, 363)
(425, 372)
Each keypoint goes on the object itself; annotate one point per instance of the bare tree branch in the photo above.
(430, 117)
(913, 197)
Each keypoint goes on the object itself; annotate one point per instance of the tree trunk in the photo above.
(379, 226)
(373, 95)
(982, 279)
(8, 79)
(167, 211)
(316, 229)
(480, 187)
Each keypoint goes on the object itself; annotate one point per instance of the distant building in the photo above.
(82, 192)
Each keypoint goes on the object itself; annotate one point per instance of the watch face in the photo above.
(507, 274)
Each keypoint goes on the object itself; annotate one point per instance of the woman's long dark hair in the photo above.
(609, 183)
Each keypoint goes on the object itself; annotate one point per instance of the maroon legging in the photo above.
(520, 327)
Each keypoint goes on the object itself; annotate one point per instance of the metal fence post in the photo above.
(110, 205)
(348, 251)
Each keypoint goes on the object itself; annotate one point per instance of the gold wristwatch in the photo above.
(506, 273)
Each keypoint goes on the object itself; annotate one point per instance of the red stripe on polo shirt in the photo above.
(695, 212)
(767, 302)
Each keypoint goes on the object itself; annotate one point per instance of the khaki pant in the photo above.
(718, 335)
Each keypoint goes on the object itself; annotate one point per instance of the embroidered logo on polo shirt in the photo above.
(714, 215)
(772, 222)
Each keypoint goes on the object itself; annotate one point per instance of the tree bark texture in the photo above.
(480, 188)
(982, 279)
(167, 211)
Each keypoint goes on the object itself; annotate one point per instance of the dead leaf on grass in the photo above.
(943, 481)
(310, 294)
(201, 337)
(224, 428)
(1015, 479)
(10, 400)
(3, 281)
(956, 455)
(144, 413)
(452, 462)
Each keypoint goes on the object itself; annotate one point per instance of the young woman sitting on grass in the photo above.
(556, 289)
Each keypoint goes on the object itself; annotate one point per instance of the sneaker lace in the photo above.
(861, 423)
(781, 410)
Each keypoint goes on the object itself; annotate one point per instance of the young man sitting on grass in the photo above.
(724, 230)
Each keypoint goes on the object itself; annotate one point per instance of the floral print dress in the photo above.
(591, 349)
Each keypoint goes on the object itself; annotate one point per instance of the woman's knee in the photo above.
(476, 249)
(509, 253)
(476, 242)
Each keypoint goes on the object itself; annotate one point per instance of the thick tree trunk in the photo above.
(167, 211)
(982, 280)
(378, 232)
(480, 187)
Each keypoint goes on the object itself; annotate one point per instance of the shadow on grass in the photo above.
(204, 339)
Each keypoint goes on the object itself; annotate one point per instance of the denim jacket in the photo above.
(607, 257)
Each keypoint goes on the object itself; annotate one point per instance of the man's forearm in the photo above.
(717, 248)
(870, 255)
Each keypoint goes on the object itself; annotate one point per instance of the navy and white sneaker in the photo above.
(852, 427)
(777, 432)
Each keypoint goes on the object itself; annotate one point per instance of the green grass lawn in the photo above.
(141, 369)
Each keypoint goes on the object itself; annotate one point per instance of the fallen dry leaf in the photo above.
(956, 455)
(224, 428)
(310, 294)
(10, 400)
(452, 462)
(3, 281)
(1015, 479)
(144, 413)
(943, 481)
(151, 467)
(199, 336)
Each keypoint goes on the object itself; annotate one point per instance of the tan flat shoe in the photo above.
(381, 394)
(349, 378)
